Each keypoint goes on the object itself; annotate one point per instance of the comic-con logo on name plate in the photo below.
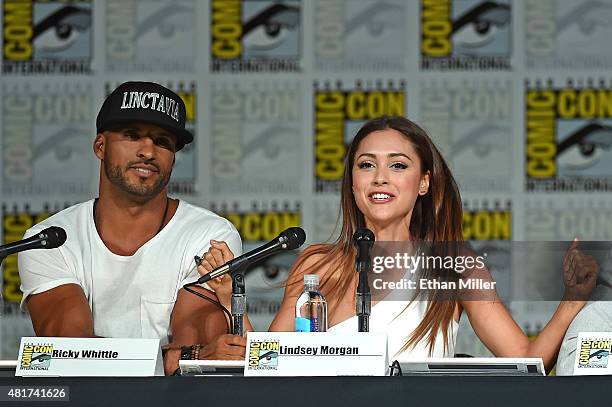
(594, 353)
(255, 35)
(339, 112)
(466, 35)
(263, 355)
(568, 136)
(46, 37)
(36, 357)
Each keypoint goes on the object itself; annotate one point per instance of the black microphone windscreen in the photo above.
(54, 236)
(363, 235)
(293, 238)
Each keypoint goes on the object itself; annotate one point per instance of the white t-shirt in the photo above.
(398, 322)
(129, 296)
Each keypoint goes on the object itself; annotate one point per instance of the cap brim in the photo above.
(183, 137)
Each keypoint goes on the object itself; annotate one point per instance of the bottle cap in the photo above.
(311, 279)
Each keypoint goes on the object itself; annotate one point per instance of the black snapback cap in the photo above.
(145, 102)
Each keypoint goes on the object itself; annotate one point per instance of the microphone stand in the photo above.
(363, 298)
(238, 301)
(363, 239)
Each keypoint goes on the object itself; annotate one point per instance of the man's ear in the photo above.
(99, 145)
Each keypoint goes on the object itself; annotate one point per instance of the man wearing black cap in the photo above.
(129, 252)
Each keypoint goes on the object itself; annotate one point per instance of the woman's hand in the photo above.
(217, 255)
(580, 273)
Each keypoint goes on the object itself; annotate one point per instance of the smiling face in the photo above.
(387, 178)
(137, 158)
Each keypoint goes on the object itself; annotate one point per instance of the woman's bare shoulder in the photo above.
(311, 257)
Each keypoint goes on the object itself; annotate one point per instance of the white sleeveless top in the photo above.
(392, 318)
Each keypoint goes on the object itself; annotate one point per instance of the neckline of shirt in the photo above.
(119, 257)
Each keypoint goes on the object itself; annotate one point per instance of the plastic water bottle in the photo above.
(311, 307)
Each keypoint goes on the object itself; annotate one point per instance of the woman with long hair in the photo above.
(397, 184)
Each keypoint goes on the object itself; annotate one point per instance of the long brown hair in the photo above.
(436, 217)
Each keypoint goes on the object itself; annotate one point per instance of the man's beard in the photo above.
(118, 177)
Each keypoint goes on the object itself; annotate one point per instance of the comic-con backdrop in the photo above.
(517, 95)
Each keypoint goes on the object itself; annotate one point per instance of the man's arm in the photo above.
(595, 317)
(197, 321)
(61, 311)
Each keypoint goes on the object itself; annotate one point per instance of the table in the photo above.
(334, 391)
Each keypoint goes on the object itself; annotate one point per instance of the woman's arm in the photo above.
(503, 337)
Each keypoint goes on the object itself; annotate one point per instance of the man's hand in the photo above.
(580, 272)
(217, 255)
(225, 347)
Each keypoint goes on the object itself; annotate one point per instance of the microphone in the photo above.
(364, 239)
(289, 239)
(49, 238)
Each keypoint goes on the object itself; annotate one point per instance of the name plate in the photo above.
(41, 356)
(593, 354)
(316, 354)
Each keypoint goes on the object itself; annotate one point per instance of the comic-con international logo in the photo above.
(36, 357)
(567, 34)
(263, 221)
(594, 353)
(471, 122)
(256, 129)
(263, 355)
(339, 112)
(46, 37)
(568, 136)
(466, 35)
(554, 219)
(45, 138)
(149, 36)
(255, 35)
(360, 34)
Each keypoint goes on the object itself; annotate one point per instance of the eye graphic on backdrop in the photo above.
(272, 142)
(164, 22)
(478, 26)
(586, 17)
(268, 29)
(375, 19)
(584, 148)
(64, 143)
(60, 30)
(271, 272)
(480, 140)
